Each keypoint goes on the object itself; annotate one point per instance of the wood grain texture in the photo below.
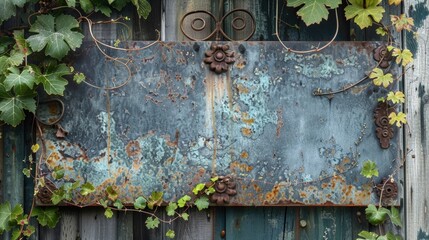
(69, 223)
(125, 225)
(417, 109)
(1, 164)
(95, 226)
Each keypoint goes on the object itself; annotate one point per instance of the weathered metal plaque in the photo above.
(176, 123)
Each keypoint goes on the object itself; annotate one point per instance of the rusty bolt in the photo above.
(222, 234)
(302, 223)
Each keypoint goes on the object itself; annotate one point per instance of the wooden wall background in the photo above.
(249, 222)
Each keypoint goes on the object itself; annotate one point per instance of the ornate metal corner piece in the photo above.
(384, 130)
(383, 55)
(390, 190)
(44, 194)
(225, 188)
(219, 57)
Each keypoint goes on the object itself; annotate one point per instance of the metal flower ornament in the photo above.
(218, 57)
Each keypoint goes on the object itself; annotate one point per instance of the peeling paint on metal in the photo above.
(282, 145)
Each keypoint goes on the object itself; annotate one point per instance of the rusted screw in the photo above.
(222, 234)
(303, 223)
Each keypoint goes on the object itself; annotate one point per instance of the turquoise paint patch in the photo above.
(422, 235)
(419, 13)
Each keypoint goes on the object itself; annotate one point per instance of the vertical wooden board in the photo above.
(141, 232)
(255, 223)
(69, 224)
(46, 233)
(291, 229)
(1, 163)
(199, 226)
(125, 225)
(13, 156)
(416, 136)
(219, 222)
(145, 29)
(94, 225)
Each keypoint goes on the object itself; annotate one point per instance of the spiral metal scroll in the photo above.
(238, 24)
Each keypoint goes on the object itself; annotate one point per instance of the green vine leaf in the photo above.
(155, 199)
(171, 209)
(108, 213)
(143, 8)
(367, 235)
(152, 223)
(369, 169)
(26, 172)
(396, 97)
(21, 43)
(86, 5)
(183, 200)
(379, 78)
(118, 204)
(313, 11)
(71, 3)
(5, 212)
(170, 234)
(8, 8)
(198, 188)
(395, 217)
(140, 203)
(111, 193)
(52, 79)
(104, 202)
(402, 22)
(28, 231)
(376, 216)
(381, 31)
(46, 217)
(202, 203)
(364, 15)
(398, 119)
(16, 234)
(57, 196)
(12, 106)
(405, 56)
(86, 189)
(185, 216)
(5, 43)
(56, 34)
(21, 82)
(58, 172)
(79, 78)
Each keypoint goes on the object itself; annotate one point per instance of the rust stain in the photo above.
(257, 188)
(53, 159)
(241, 63)
(273, 195)
(246, 132)
(244, 154)
(242, 89)
(133, 148)
(240, 166)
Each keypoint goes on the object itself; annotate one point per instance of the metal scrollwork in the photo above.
(238, 24)
(383, 56)
(384, 130)
(218, 57)
(225, 188)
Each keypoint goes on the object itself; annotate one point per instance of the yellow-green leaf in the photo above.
(364, 12)
(406, 56)
(86, 188)
(152, 223)
(396, 97)
(379, 78)
(395, 2)
(170, 233)
(398, 119)
(108, 213)
(313, 11)
(402, 22)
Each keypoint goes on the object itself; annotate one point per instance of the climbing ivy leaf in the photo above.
(185, 216)
(183, 200)
(364, 12)
(12, 106)
(202, 203)
(155, 199)
(79, 77)
(143, 7)
(52, 79)
(56, 34)
(313, 11)
(402, 22)
(171, 209)
(46, 217)
(71, 3)
(21, 82)
(108, 213)
(367, 235)
(118, 204)
(8, 8)
(380, 78)
(29, 230)
(58, 172)
(399, 119)
(396, 97)
(16, 234)
(381, 31)
(86, 189)
(369, 169)
(198, 188)
(376, 216)
(406, 56)
(170, 234)
(111, 193)
(152, 223)
(395, 2)
(86, 5)
(140, 203)
(395, 217)
(5, 212)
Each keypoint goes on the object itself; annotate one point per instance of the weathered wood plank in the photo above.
(94, 225)
(13, 156)
(255, 223)
(125, 225)
(1, 163)
(69, 224)
(417, 109)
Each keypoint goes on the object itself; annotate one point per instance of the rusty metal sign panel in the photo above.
(247, 111)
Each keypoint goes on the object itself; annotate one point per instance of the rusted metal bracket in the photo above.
(384, 130)
(238, 23)
(225, 189)
(389, 189)
(218, 57)
(44, 194)
(383, 56)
